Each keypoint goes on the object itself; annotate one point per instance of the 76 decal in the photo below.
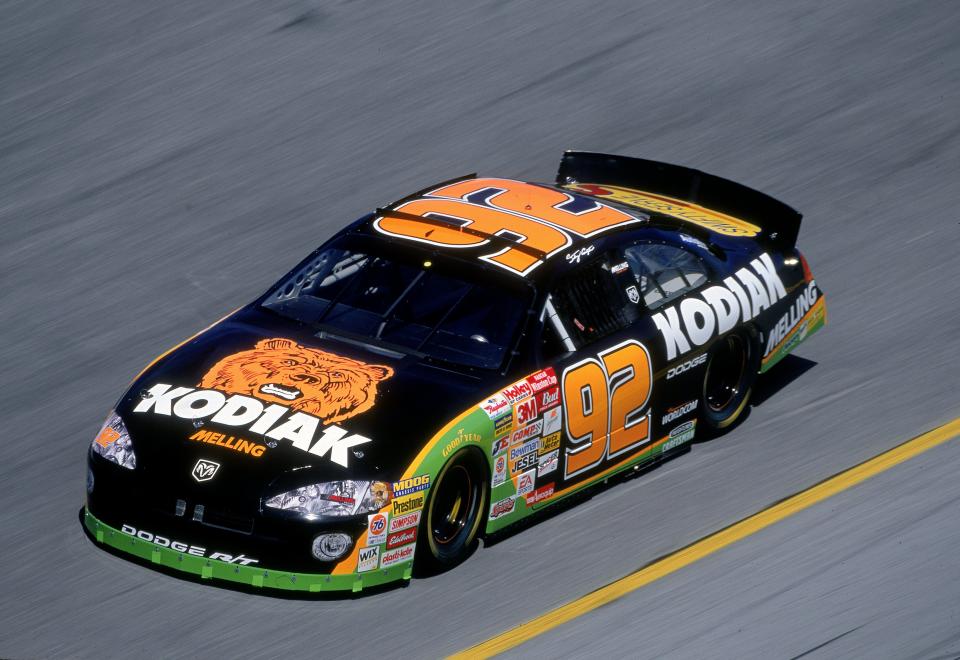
(606, 406)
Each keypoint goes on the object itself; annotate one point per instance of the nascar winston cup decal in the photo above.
(282, 390)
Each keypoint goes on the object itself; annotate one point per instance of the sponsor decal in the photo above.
(542, 379)
(633, 294)
(526, 432)
(502, 508)
(407, 504)
(500, 445)
(518, 391)
(499, 470)
(274, 421)
(230, 442)
(328, 386)
(525, 462)
(540, 494)
(186, 548)
(402, 538)
(107, 436)
(575, 256)
(549, 398)
(376, 528)
(411, 485)
(542, 218)
(549, 442)
(526, 411)
(551, 420)
(496, 406)
(679, 411)
(720, 223)
(804, 301)
(397, 555)
(686, 366)
(548, 462)
(460, 439)
(717, 309)
(503, 425)
(525, 481)
(204, 470)
(405, 521)
(368, 559)
(525, 448)
(616, 269)
(679, 435)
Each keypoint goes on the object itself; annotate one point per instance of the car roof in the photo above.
(482, 220)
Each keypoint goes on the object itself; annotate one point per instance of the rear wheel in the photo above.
(449, 530)
(728, 381)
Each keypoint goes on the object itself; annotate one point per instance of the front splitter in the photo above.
(248, 576)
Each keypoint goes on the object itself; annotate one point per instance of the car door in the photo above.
(596, 339)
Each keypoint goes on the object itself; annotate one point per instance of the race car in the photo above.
(446, 367)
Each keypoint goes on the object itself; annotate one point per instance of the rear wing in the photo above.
(779, 224)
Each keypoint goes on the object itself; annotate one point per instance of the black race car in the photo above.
(448, 365)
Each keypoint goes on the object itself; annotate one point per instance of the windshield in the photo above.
(403, 302)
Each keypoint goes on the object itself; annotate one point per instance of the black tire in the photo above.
(454, 511)
(728, 380)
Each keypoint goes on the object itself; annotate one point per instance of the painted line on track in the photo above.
(710, 544)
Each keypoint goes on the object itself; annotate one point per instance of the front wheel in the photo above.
(449, 530)
(727, 384)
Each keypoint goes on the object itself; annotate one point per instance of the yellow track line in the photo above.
(707, 546)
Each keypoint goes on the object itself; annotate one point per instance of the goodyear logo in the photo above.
(411, 485)
(408, 504)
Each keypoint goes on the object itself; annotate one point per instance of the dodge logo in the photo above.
(204, 470)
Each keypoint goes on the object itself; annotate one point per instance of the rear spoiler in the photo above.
(779, 223)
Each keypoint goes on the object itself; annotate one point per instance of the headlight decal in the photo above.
(333, 499)
(114, 444)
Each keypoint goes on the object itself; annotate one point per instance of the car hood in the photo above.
(273, 405)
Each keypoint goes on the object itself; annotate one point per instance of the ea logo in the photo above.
(378, 524)
(204, 470)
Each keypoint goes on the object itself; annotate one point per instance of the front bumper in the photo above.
(251, 576)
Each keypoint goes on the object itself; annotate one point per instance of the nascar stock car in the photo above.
(447, 366)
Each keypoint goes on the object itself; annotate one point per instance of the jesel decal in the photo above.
(326, 385)
(717, 309)
(273, 421)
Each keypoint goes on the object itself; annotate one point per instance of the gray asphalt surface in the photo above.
(162, 163)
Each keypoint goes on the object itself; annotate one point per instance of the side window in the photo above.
(588, 304)
(664, 272)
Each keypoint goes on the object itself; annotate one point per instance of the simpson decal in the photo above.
(717, 309)
(328, 386)
(405, 521)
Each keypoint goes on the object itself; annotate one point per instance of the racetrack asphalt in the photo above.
(161, 164)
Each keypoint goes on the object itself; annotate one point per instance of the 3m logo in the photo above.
(204, 470)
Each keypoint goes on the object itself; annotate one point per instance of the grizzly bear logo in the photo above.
(328, 386)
